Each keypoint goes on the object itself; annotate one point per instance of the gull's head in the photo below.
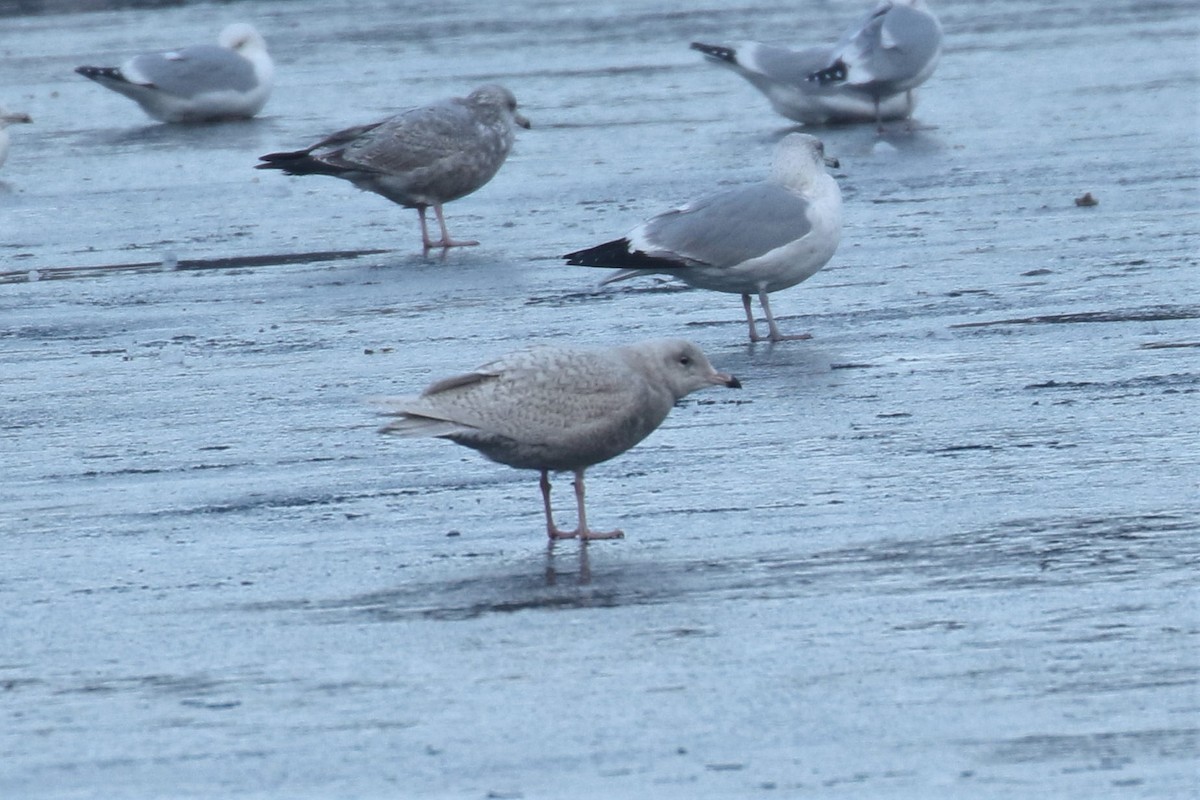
(798, 158)
(241, 37)
(681, 365)
(495, 96)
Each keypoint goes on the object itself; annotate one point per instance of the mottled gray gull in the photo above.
(782, 75)
(202, 83)
(6, 119)
(558, 408)
(421, 157)
(751, 240)
(892, 51)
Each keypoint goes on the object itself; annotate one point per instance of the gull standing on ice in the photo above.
(782, 75)
(202, 83)
(753, 240)
(892, 51)
(556, 408)
(421, 157)
(6, 119)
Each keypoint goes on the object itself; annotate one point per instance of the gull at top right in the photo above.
(869, 74)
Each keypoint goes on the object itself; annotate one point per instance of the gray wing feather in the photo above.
(791, 66)
(414, 139)
(194, 70)
(893, 44)
(344, 137)
(915, 37)
(730, 227)
(525, 401)
(459, 381)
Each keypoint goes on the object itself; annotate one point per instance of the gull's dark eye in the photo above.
(685, 360)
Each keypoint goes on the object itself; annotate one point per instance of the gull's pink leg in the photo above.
(424, 229)
(776, 336)
(551, 529)
(446, 240)
(754, 337)
(583, 531)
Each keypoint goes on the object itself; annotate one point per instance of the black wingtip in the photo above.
(618, 254)
(290, 155)
(295, 162)
(610, 254)
(834, 73)
(112, 73)
(716, 52)
(274, 161)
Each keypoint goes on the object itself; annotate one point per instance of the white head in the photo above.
(242, 38)
(680, 364)
(799, 159)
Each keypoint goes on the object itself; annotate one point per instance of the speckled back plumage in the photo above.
(420, 157)
(558, 408)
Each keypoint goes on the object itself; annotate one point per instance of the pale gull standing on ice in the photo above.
(421, 157)
(782, 75)
(6, 119)
(557, 408)
(202, 83)
(752, 240)
(892, 51)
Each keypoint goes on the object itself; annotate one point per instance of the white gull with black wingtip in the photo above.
(891, 51)
(782, 75)
(751, 241)
(203, 83)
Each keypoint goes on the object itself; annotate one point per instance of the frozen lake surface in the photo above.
(946, 548)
